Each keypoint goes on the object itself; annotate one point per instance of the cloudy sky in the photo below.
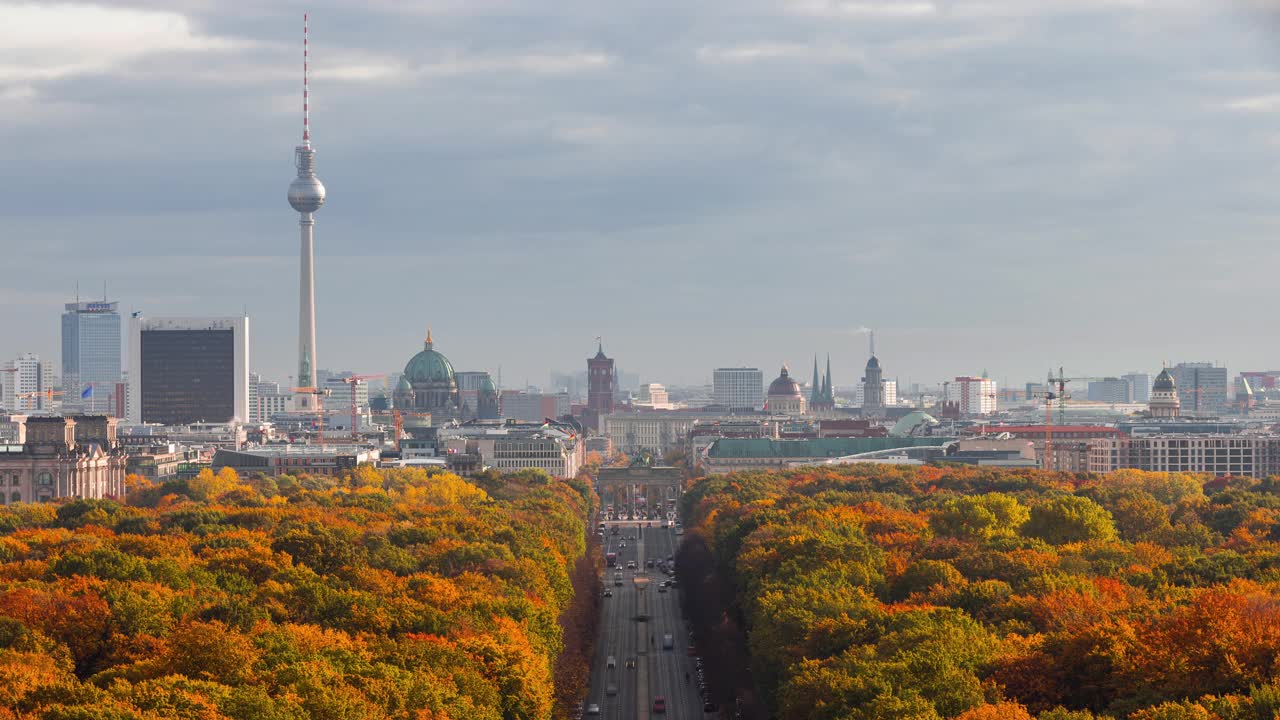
(999, 184)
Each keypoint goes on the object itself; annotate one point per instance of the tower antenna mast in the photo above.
(306, 86)
(306, 196)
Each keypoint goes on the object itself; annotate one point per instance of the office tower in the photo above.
(188, 369)
(28, 385)
(306, 195)
(1202, 388)
(1139, 387)
(90, 356)
(1111, 390)
(973, 395)
(737, 389)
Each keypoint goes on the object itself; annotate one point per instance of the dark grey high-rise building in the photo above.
(188, 370)
(90, 355)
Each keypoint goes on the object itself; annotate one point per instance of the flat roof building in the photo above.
(1251, 455)
(188, 370)
(737, 389)
(90, 355)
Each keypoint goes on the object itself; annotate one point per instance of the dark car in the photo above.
(709, 707)
(660, 704)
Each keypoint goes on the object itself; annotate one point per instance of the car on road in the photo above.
(608, 592)
(660, 704)
(593, 709)
(709, 707)
(631, 564)
(611, 663)
(662, 588)
(668, 641)
(611, 689)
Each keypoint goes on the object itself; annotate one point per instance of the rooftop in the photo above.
(813, 447)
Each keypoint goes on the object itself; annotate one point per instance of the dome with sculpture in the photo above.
(1164, 402)
(784, 395)
(785, 385)
(428, 385)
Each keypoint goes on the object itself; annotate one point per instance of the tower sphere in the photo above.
(306, 194)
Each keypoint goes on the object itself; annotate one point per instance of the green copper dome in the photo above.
(428, 366)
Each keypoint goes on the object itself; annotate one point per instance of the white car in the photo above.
(593, 709)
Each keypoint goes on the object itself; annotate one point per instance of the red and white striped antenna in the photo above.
(306, 106)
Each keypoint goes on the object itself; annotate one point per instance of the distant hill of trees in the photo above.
(874, 592)
(384, 594)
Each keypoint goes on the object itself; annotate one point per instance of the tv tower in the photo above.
(306, 195)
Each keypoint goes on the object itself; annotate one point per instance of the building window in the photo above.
(44, 478)
(15, 497)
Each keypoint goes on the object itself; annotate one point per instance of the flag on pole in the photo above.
(88, 393)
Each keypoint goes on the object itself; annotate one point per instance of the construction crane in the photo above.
(398, 418)
(1060, 382)
(46, 394)
(1049, 396)
(320, 394)
(352, 382)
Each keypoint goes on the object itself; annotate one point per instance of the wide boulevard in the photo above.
(633, 623)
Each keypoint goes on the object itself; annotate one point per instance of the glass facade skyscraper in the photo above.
(90, 355)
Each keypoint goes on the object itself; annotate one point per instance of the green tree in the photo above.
(1070, 519)
(981, 517)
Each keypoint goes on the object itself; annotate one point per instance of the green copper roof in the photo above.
(428, 366)
(812, 448)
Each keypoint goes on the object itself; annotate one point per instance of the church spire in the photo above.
(815, 392)
(830, 390)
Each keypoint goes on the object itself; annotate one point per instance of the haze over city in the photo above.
(997, 185)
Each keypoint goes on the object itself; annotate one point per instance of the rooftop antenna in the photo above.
(104, 291)
(873, 343)
(77, 292)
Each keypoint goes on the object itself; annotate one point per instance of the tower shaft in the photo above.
(306, 308)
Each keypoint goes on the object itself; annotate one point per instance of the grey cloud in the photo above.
(735, 178)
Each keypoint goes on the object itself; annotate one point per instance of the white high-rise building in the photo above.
(738, 388)
(266, 399)
(974, 395)
(889, 393)
(28, 375)
(654, 395)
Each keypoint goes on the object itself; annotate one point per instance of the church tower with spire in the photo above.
(873, 386)
(821, 394)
